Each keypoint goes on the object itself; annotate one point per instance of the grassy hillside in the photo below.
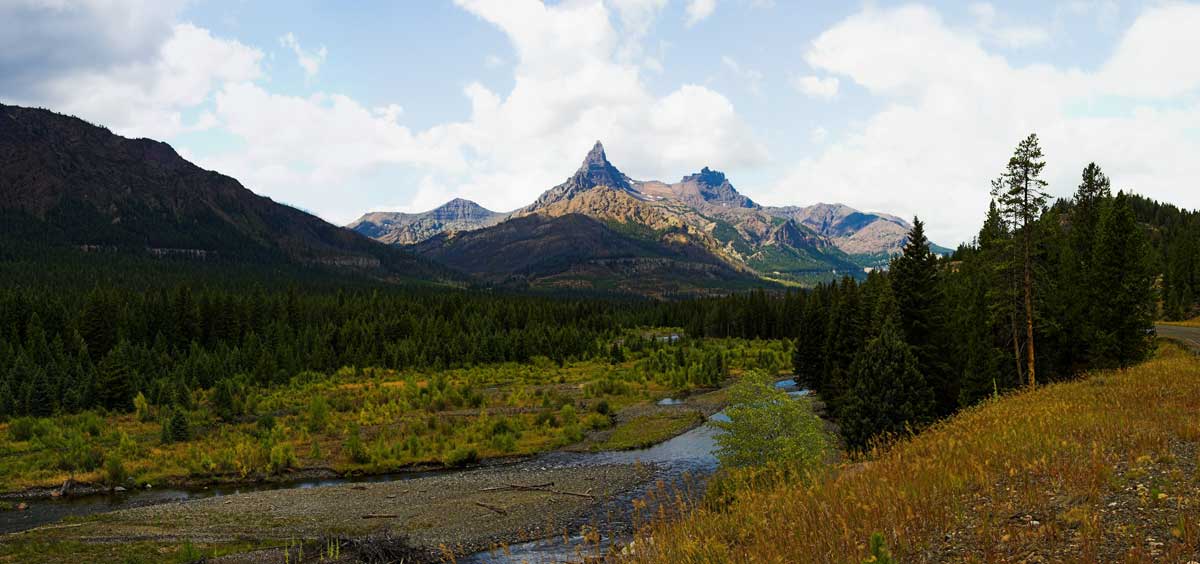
(1100, 469)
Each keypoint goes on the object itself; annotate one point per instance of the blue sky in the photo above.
(909, 108)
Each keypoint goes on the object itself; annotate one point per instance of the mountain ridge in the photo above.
(67, 182)
(798, 243)
(700, 220)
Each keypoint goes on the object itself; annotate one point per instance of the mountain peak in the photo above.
(460, 209)
(595, 158)
(595, 171)
(713, 187)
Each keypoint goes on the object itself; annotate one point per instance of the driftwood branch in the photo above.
(380, 516)
(538, 488)
(518, 487)
(499, 510)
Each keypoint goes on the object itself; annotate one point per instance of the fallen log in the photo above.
(499, 510)
(518, 487)
(380, 516)
(538, 488)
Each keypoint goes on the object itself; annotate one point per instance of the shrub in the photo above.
(282, 457)
(90, 423)
(114, 470)
(265, 424)
(354, 446)
(602, 408)
(318, 414)
(766, 425)
(175, 429)
(27, 428)
(596, 421)
(568, 414)
(76, 455)
(501, 427)
(142, 408)
(506, 442)
(460, 456)
(879, 551)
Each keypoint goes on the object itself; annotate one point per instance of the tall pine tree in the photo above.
(920, 300)
(1021, 197)
(1124, 311)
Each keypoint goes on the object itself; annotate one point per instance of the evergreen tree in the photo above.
(808, 358)
(98, 324)
(117, 377)
(889, 394)
(1002, 280)
(921, 305)
(1124, 312)
(1021, 198)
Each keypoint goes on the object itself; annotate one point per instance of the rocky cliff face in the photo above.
(409, 228)
(595, 171)
(853, 231)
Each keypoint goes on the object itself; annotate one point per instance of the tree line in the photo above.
(1041, 294)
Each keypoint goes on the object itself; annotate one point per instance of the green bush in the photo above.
(114, 470)
(265, 424)
(460, 456)
(282, 458)
(175, 429)
(354, 446)
(75, 454)
(766, 425)
(90, 423)
(506, 442)
(141, 406)
(879, 551)
(318, 414)
(27, 428)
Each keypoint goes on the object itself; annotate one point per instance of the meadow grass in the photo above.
(1193, 322)
(368, 420)
(647, 430)
(1099, 469)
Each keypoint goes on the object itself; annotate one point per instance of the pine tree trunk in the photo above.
(1029, 287)
(1016, 341)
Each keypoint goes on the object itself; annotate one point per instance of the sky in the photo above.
(340, 108)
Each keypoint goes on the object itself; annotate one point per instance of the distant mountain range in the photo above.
(603, 230)
(66, 182)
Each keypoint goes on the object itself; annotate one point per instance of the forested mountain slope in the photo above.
(65, 182)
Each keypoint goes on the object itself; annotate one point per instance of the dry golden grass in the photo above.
(1103, 469)
(1193, 322)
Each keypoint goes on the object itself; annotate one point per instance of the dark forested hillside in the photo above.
(1175, 239)
(65, 182)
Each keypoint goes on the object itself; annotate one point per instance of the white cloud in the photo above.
(1009, 36)
(816, 87)
(1104, 12)
(818, 135)
(572, 86)
(149, 98)
(43, 39)
(698, 10)
(751, 78)
(953, 112)
(1156, 56)
(493, 61)
(310, 61)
